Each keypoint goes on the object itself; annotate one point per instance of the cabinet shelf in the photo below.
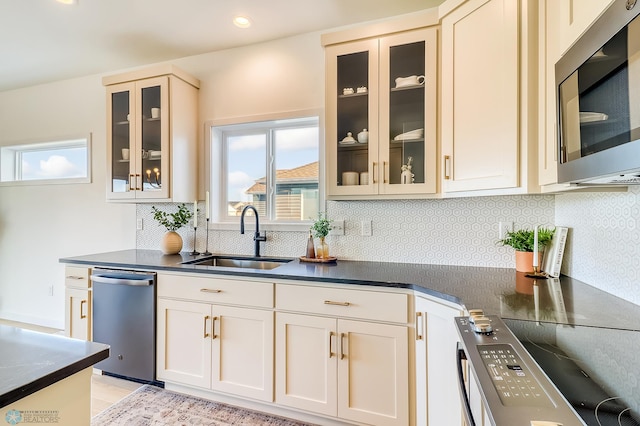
(353, 95)
(400, 141)
(403, 89)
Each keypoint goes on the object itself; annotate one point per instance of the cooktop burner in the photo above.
(595, 369)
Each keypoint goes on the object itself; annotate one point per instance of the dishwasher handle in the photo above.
(468, 416)
(121, 280)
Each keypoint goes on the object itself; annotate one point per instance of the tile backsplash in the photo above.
(602, 248)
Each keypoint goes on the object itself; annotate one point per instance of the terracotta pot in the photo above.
(171, 243)
(524, 261)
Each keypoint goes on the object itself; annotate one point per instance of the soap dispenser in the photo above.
(311, 251)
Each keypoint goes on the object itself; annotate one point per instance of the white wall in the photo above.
(41, 223)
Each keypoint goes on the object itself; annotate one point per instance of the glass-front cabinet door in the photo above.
(137, 136)
(381, 115)
(352, 118)
(408, 132)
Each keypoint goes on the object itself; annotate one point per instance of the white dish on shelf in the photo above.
(592, 117)
(413, 134)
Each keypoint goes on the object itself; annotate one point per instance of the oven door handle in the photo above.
(461, 356)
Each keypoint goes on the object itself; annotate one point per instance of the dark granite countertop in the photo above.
(31, 361)
(499, 291)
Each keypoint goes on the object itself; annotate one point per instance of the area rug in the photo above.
(153, 406)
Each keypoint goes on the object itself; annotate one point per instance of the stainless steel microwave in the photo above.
(598, 83)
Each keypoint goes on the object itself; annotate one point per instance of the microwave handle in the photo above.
(461, 356)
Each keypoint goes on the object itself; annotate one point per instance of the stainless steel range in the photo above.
(522, 374)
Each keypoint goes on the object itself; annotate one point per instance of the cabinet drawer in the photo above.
(76, 276)
(389, 307)
(216, 290)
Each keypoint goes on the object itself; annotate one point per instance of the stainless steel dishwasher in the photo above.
(124, 317)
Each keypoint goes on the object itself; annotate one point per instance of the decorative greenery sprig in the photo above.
(321, 226)
(522, 240)
(173, 221)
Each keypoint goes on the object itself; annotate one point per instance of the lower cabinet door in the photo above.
(373, 373)
(306, 362)
(242, 362)
(184, 342)
(78, 313)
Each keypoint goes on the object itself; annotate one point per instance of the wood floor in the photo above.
(105, 390)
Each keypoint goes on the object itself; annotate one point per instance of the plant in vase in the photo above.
(172, 241)
(320, 229)
(523, 241)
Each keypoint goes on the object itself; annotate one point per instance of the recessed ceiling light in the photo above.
(241, 22)
(67, 1)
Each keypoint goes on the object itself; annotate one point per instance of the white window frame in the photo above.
(215, 168)
(10, 159)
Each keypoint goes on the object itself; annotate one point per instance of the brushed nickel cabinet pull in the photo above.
(74, 277)
(331, 302)
(131, 178)
(210, 290)
(385, 167)
(138, 182)
(419, 334)
(213, 327)
(447, 167)
(375, 172)
(331, 354)
(205, 327)
(342, 355)
(82, 303)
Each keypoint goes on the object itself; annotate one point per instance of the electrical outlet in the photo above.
(139, 224)
(365, 228)
(337, 227)
(503, 228)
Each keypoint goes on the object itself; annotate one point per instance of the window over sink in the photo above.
(272, 165)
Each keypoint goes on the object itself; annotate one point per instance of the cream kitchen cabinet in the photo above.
(152, 133)
(332, 363)
(212, 345)
(77, 303)
(489, 98)
(437, 395)
(385, 86)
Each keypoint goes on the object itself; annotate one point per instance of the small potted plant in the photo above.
(522, 241)
(172, 241)
(320, 229)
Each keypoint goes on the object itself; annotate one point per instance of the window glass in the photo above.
(46, 161)
(272, 165)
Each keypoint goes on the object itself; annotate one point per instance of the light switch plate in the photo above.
(366, 228)
(337, 227)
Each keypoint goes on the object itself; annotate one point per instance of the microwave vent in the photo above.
(628, 179)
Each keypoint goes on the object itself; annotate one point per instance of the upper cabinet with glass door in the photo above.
(381, 116)
(152, 135)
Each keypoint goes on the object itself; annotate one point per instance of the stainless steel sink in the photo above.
(239, 262)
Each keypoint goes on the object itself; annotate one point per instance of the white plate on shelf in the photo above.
(413, 134)
(592, 117)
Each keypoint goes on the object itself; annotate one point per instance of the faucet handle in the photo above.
(258, 237)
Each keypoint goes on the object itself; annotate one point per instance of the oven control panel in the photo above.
(511, 378)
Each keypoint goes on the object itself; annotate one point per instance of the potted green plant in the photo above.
(320, 229)
(522, 241)
(172, 241)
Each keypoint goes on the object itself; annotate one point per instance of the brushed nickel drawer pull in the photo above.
(74, 277)
(82, 316)
(205, 327)
(342, 355)
(210, 290)
(331, 302)
(447, 165)
(213, 327)
(331, 354)
(419, 334)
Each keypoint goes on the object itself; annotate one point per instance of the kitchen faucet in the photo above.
(257, 238)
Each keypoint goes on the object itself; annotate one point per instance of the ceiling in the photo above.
(44, 41)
